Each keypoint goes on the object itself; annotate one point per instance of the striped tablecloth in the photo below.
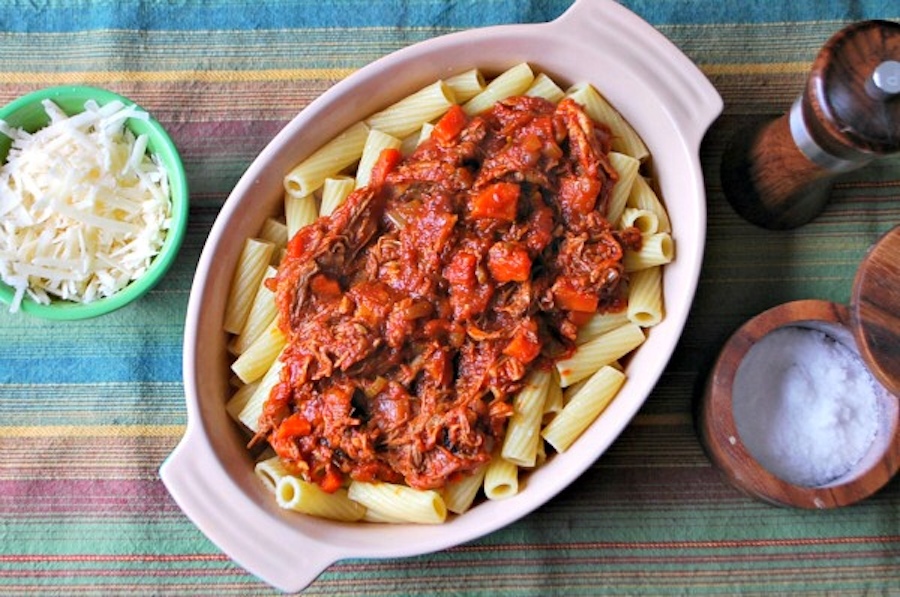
(89, 410)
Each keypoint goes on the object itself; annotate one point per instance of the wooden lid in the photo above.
(875, 310)
(851, 100)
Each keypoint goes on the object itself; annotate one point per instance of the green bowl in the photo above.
(27, 113)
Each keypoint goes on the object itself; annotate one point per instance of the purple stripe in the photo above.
(84, 497)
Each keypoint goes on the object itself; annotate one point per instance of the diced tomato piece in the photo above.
(295, 425)
(387, 161)
(332, 480)
(578, 195)
(499, 200)
(325, 287)
(574, 299)
(580, 318)
(461, 269)
(450, 125)
(525, 345)
(509, 262)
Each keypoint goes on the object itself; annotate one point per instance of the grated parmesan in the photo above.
(83, 207)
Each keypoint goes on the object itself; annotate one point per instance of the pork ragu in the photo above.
(416, 310)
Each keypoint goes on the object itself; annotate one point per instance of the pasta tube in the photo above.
(554, 401)
(466, 85)
(524, 427)
(259, 356)
(239, 400)
(511, 82)
(543, 86)
(644, 220)
(656, 249)
(299, 211)
(643, 196)
(406, 116)
(625, 138)
(399, 503)
(252, 409)
(301, 496)
(375, 143)
(251, 267)
(600, 323)
(262, 312)
(459, 494)
(270, 471)
(334, 192)
(627, 167)
(583, 408)
(600, 351)
(339, 153)
(501, 479)
(275, 232)
(645, 304)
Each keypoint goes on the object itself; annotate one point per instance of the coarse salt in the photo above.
(805, 406)
(83, 208)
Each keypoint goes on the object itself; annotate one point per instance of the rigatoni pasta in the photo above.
(389, 502)
(308, 498)
(555, 404)
(251, 268)
(344, 150)
(262, 313)
(645, 304)
(376, 142)
(627, 167)
(545, 87)
(584, 408)
(299, 211)
(466, 85)
(625, 138)
(656, 249)
(600, 351)
(407, 115)
(253, 363)
(459, 494)
(501, 479)
(642, 196)
(511, 82)
(523, 429)
(334, 191)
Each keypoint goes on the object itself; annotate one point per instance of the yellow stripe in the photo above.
(46, 431)
(752, 68)
(205, 76)
(306, 74)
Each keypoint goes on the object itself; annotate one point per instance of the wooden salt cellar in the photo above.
(872, 325)
(779, 175)
(718, 429)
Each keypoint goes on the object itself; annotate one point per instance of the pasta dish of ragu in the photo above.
(414, 312)
(419, 318)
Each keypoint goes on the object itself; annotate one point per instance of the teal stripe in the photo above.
(66, 15)
(70, 15)
(94, 403)
(218, 49)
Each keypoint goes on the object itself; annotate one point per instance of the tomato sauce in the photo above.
(415, 311)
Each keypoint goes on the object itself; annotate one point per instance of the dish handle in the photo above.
(691, 99)
(194, 476)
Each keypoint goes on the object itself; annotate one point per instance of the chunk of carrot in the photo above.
(499, 200)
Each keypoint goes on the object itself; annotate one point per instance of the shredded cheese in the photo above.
(83, 207)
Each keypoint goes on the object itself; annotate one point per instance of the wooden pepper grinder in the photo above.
(779, 175)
